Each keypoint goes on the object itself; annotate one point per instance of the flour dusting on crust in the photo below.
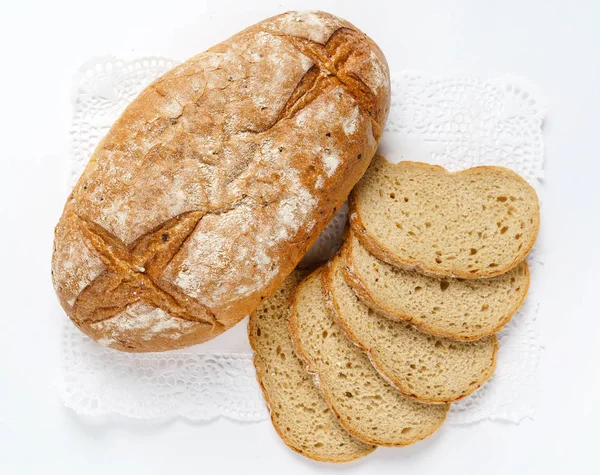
(378, 76)
(331, 162)
(106, 341)
(308, 24)
(143, 321)
(236, 239)
(351, 122)
(74, 266)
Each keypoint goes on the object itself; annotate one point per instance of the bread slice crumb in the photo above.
(462, 309)
(425, 367)
(367, 405)
(299, 412)
(479, 222)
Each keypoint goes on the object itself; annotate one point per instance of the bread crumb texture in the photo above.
(426, 367)
(480, 222)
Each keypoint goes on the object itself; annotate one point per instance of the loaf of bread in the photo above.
(368, 406)
(462, 309)
(480, 222)
(425, 367)
(298, 411)
(216, 179)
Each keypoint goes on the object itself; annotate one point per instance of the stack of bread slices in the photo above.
(371, 348)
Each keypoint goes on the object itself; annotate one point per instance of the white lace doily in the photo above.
(454, 121)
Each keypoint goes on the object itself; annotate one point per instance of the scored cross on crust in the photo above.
(329, 60)
(134, 274)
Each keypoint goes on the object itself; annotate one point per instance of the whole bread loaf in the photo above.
(211, 186)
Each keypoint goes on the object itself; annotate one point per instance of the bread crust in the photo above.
(214, 182)
(381, 251)
(335, 308)
(319, 274)
(366, 296)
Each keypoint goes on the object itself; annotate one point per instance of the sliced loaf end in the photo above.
(299, 412)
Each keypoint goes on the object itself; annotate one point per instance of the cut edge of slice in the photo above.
(309, 366)
(377, 364)
(258, 365)
(368, 298)
(384, 253)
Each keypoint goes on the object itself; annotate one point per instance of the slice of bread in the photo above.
(368, 406)
(462, 309)
(425, 367)
(480, 222)
(299, 412)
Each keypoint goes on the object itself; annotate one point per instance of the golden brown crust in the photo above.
(214, 182)
(362, 291)
(372, 354)
(381, 251)
(319, 274)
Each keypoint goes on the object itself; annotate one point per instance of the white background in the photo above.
(555, 44)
